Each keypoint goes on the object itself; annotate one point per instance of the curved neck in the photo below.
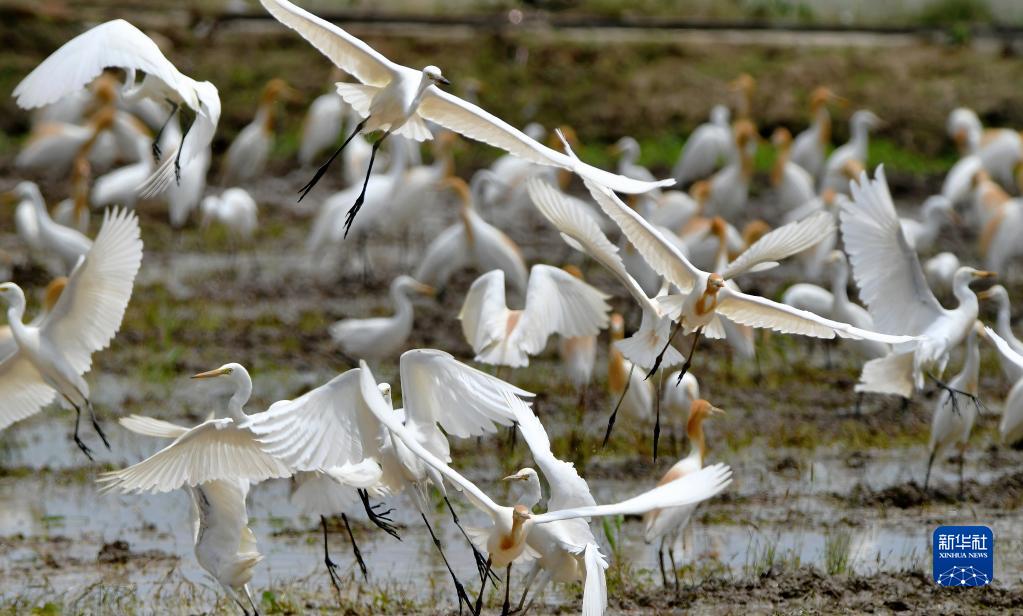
(402, 303)
(242, 392)
(965, 295)
(860, 137)
(840, 282)
(782, 159)
(1004, 320)
(16, 311)
(699, 444)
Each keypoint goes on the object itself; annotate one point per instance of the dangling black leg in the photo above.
(462, 596)
(482, 564)
(335, 579)
(692, 350)
(660, 356)
(614, 413)
(177, 163)
(657, 414)
(78, 420)
(674, 567)
(507, 587)
(927, 475)
(323, 168)
(355, 547)
(95, 424)
(381, 519)
(159, 133)
(660, 561)
(354, 210)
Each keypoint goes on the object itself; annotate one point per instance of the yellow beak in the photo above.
(983, 274)
(210, 374)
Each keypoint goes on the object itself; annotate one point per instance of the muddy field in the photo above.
(826, 513)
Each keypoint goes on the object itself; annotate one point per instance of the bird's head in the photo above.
(714, 283)
(385, 391)
(433, 75)
(520, 513)
(700, 409)
(867, 119)
(104, 89)
(617, 326)
(575, 271)
(233, 371)
(754, 230)
(521, 475)
(12, 294)
(966, 275)
(744, 83)
(997, 292)
(23, 191)
(408, 283)
(781, 137)
(700, 192)
(277, 88)
(823, 95)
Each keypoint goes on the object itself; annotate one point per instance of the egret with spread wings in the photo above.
(396, 99)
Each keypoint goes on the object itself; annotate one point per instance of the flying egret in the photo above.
(635, 394)
(893, 286)
(556, 303)
(381, 338)
(1010, 428)
(1003, 326)
(860, 125)
(669, 524)
(67, 243)
(121, 45)
(235, 209)
(810, 147)
(247, 155)
(506, 539)
(953, 422)
(628, 163)
(397, 99)
(472, 241)
(706, 149)
(792, 183)
(53, 356)
(50, 297)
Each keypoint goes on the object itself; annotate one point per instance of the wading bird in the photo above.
(247, 155)
(893, 286)
(706, 149)
(860, 125)
(235, 209)
(792, 183)
(396, 99)
(67, 243)
(556, 303)
(50, 297)
(810, 147)
(52, 356)
(1010, 428)
(1003, 325)
(121, 45)
(381, 338)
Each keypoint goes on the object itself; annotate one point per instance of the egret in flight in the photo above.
(396, 99)
(52, 357)
(118, 44)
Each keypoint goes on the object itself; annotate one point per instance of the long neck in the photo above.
(402, 303)
(967, 298)
(424, 83)
(1004, 319)
(860, 137)
(778, 171)
(968, 375)
(238, 399)
(15, 312)
(840, 283)
(697, 440)
(265, 116)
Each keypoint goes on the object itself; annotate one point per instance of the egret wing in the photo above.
(349, 53)
(659, 252)
(761, 312)
(149, 426)
(89, 311)
(782, 242)
(595, 586)
(213, 450)
(327, 427)
(692, 488)
(568, 489)
(115, 43)
(438, 390)
(886, 269)
(197, 140)
(559, 303)
(382, 411)
(484, 313)
(474, 122)
(22, 389)
(1004, 348)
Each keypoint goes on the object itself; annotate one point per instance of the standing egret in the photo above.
(628, 164)
(506, 539)
(810, 147)
(121, 45)
(706, 149)
(67, 243)
(893, 286)
(860, 125)
(397, 99)
(322, 124)
(792, 183)
(381, 338)
(247, 155)
(1003, 326)
(1010, 428)
(634, 393)
(729, 187)
(999, 240)
(668, 525)
(952, 422)
(52, 356)
(74, 211)
(578, 354)
(556, 303)
(235, 209)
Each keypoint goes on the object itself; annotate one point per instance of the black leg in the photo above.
(354, 210)
(335, 579)
(355, 547)
(660, 356)
(674, 567)
(962, 461)
(95, 424)
(660, 561)
(512, 436)
(859, 402)
(927, 475)
(255, 611)
(614, 413)
(657, 414)
(323, 168)
(78, 420)
(177, 162)
(462, 596)
(483, 586)
(507, 586)
(482, 564)
(381, 519)
(159, 133)
(692, 351)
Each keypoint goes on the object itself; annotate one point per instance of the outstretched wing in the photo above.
(149, 426)
(346, 51)
(886, 269)
(484, 313)
(22, 389)
(89, 311)
(439, 390)
(782, 242)
(559, 303)
(1004, 348)
(475, 123)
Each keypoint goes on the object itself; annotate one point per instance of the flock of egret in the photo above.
(679, 259)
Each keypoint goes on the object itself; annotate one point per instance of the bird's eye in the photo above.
(230, 370)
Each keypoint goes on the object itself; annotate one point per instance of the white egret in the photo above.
(729, 187)
(952, 422)
(669, 524)
(67, 243)
(628, 163)
(1010, 428)
(51, 148)
(322, 124)
(893, 286)
(987, 199)
(556, 303)
(999, 240)
(52, 356)
(121, 45)
(506, 539)
(676, 396)
(921, 234)
(634, 392)
(398, 99)
(1003, 325)
(247, 155)
(810, 147)
(121, 186)
(844, 310)
(578, 353)
(50, 297)
(235, 209)
(940, 269)
(860, 125)
(381, 337)
(183, 197)
(792, 183)
(706, 149)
